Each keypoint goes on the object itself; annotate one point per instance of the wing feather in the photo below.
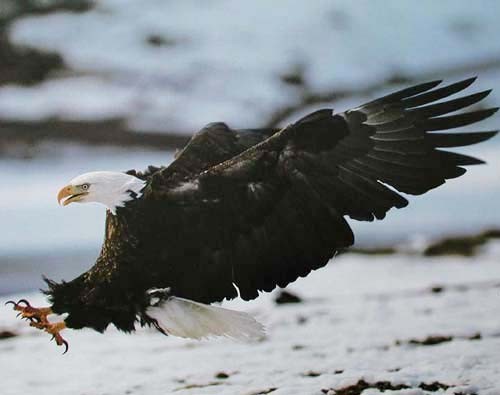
(271, 211)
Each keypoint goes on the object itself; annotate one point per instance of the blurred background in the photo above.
(121, 84)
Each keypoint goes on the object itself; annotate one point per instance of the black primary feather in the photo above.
(259, 208)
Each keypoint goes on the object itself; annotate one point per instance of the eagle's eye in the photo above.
(85, 186)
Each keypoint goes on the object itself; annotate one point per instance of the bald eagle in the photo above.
(243, 211)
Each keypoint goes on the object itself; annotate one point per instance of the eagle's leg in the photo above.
(38, 319)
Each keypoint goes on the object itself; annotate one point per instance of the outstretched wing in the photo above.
(213, 144)
(276, 211)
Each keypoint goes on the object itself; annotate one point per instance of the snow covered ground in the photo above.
(361, 318)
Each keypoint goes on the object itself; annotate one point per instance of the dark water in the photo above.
(24, 273)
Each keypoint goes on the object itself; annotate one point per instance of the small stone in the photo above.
(312, 373)
(476, 336)
(7, 335)
(157, 40)
(285, 297)
(298, 347)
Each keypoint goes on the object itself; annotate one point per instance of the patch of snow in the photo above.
(81, 98)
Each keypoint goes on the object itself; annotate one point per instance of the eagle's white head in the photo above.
(112, 189)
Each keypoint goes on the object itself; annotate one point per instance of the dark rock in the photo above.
(295, 77)
(26, 65)
(398, 78)
(7, 335)
(221, 375)
(157, 40)
(437, 289)
(373, 251)
(491, 234)
(285, 297)
(298, 347)
(477, 336)
(112, 132)
(433, 387)
(361, 385)
(463, 246)
(431, 340)
(264, 392)
(194, 386)
(311, 373)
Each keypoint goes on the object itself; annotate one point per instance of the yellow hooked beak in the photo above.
(71, 194)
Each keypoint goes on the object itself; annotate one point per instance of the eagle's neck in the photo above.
(124, 188)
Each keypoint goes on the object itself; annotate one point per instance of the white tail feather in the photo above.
(185, 318)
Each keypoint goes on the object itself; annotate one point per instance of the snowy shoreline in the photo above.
(400, 319)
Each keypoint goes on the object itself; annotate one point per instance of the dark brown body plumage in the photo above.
(260, 208)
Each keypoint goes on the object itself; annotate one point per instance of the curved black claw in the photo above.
(19, 302)
(61, 342)
(25, 302)
(66, 347)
